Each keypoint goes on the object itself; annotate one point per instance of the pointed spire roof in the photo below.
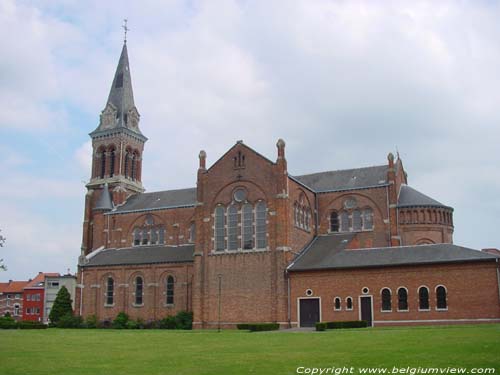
(120, 110)
(104, 202)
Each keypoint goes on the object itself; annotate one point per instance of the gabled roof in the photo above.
(13, 286)
(158, 200)
(240, 143)
(141, 255)
(328, 252)
(39, 280)
(346, 179)
(409, 197)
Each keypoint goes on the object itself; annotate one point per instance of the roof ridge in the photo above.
(164, 191)
(341, 170)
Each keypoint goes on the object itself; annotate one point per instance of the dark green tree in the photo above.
(62, 306)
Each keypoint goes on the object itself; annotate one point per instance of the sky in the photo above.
(342, 82)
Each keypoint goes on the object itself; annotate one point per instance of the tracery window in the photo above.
(334, 222)
(351, 221)
(149, 233)
(240, 226)
(302, 213)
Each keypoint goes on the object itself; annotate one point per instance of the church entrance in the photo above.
(366, 309)
(308, 312)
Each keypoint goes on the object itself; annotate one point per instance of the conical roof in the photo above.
(104, 202)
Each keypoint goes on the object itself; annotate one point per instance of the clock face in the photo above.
(240, 195)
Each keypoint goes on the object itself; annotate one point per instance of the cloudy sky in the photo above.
(343, 82)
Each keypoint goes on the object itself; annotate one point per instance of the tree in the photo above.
(2, 242)
(62, 306)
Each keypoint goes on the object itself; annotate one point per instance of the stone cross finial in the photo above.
(125, 30)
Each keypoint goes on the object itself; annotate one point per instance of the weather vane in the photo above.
(125, 29)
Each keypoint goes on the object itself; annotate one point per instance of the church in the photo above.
(252, 242)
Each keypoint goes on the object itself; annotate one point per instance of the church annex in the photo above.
(265, 245)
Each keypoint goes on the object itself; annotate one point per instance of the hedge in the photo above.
(25, 324)
(347, 324)
(320, 326)
(257, 327)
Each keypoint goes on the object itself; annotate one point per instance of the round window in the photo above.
(240, 195)
(365, 290)
(309, 292)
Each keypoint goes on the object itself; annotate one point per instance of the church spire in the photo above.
(120, 110)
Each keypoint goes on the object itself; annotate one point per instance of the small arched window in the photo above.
(348, 302)
(441, 302)
(137, 237)
(336, 304)
(344, 221)
(145, 236)
(103, 164)
(423, 298)
(110, 288)
(133, 163)
(334, 222)
(260, 225)
(386, 300)
(219, 229)
(232, 228)
(170, 290)
(126, 163)
(247, 227)
(402, 299)
(368, 219)
(139, 290)
(356, 221)
(112, 156)
(192, 232)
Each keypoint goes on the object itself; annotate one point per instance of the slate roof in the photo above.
(141, 255)
(328, 252)
(104, 202)
(158, 200)
(409, 197)
(345, 179)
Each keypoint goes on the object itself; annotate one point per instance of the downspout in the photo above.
(289, 307)
(81, 293)
(388, 214)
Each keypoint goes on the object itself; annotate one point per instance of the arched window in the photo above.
(334, 222)
(348, 303)
(170, 290)
(137, 237)
(103, 164)
(219, 229)
(247, 227)
(260, 225)
(441, 302)
(367, 219)
(386, 300)
(356, 221)
(302, 213)
(145, 236)
(110, 289)
(336, 304)
(402, 299)
(126, 163)
(133, 171)
(161, 235)
(139, 290)
(344, 221)
(112, 155)
(423, 298)
(232, 227)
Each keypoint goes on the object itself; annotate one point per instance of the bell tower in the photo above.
(117, 147)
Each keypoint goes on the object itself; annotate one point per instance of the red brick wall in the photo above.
(154, 298)
(29, 303)
(472, 291)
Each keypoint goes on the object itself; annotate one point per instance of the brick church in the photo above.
(254, 243)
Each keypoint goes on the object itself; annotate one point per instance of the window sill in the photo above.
(337, 309)
(109, 306)
(169, 305)
(239, 251)
(424, 310)
(438, 309)
(349, 309)
(386, 311)
(405, 311)
(136, 305)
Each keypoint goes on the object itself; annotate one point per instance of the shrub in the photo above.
(167, 323)
(91, 322)
(320, 326)
(7, 314)
(243, 326)
(26, 324)
(6, 322)
(258, 327)
(150, 324)
(120, 321)
(70, 321)
(106, 323)
(347, 324)
(62, 306)
(184, 320)
(132, 324)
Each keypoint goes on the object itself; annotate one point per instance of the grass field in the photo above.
(59, 351)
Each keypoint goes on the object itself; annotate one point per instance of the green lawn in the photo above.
(59, 351)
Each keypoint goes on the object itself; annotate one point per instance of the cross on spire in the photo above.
(125, 29)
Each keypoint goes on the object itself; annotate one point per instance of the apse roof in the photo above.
(329, 252)
(141, 255)
(409, 197)
(345, 179)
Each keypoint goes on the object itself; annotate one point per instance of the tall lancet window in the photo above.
(102, 156)
(112, 156)
(260, 227)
